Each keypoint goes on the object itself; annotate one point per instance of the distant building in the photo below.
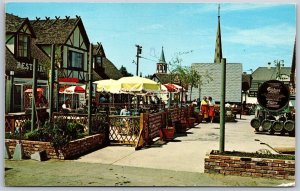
(262, 74)
(233, 75)
(103, 67)
(161, 75)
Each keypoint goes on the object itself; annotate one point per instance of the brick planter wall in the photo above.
(246, 166)
(74, 149)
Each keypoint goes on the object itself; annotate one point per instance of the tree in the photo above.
(124, 72)
(187, 75)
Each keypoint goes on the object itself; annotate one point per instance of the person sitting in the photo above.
(67, 106)
(125, 111)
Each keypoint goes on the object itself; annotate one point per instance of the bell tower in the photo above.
(161, 66)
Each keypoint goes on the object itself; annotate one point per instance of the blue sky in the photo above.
(252, 34)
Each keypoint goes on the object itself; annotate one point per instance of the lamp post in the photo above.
(12, 73)
(222, 105)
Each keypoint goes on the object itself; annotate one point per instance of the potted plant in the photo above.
(169, 131)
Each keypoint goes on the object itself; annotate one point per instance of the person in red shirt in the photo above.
(41, 100)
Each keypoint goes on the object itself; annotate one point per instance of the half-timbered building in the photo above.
(20, 51)
(71, 46)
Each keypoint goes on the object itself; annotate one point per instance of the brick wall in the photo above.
(74, 149)
(255, 167)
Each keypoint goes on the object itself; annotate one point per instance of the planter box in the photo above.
(168, 133)
(74, 149)
(181, 127)
(200, 118)
(191, 121)
(246, 164)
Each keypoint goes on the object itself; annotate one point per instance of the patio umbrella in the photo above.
(138, 84)
(37, 89)
(74, 89)
(179, 87)
(171, 87)
(108, 85)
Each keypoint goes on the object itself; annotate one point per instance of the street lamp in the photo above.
(12, 73)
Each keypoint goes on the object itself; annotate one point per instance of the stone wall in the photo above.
(74, 149)
(245, 166)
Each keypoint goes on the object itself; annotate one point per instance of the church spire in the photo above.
(162, 56)
(161, 66)
(218, 48)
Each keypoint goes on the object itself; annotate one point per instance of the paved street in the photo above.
(187, 153)
(176, 163)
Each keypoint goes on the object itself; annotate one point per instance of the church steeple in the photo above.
(161, 66)
(218, 48)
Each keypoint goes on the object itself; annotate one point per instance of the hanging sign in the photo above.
(273, 95)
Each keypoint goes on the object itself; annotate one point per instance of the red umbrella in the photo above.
(171, 87)
(37, 89)
(74, 89)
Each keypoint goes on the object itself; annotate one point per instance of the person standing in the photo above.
(41, 100)
(204, 107)
(211, 106)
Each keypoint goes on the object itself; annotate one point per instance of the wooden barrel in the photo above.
(267, 124)
(255, 123)
(277, 126)
(289, 126)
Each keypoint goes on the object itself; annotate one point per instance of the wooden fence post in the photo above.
(141, 142)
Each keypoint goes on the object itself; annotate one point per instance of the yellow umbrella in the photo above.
(108, 85)
(138, 84)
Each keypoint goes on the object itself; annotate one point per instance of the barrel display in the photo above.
(267, 124)
(289, 126)
(255, 123)
(277, 126)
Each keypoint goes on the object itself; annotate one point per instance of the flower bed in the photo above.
(74, 149)
(251, 164)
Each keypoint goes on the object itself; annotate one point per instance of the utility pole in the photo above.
(138, 52)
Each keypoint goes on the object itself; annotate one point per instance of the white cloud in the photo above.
(281, 34)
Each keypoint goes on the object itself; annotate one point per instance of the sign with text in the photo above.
(29, 66)
(273, 95)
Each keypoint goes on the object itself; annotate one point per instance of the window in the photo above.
(98, 61)
(75, 60)
(23, 45)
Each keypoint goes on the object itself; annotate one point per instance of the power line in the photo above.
(148, 59)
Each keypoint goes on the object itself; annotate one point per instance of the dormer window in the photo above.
(98, 60)
(23, 46)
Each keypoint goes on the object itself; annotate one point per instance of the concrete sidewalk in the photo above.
(187, 152)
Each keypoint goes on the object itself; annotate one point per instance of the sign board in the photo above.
(273, 95)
